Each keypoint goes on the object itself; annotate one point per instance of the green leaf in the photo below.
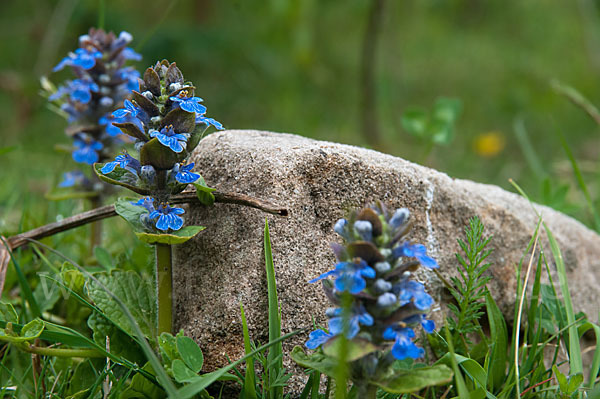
(249, 390)
(182, 373)
(141, 388)
(499, 339)
(574, 382)
(354, 348)
(137, 294)
(204, 193)
(403, 381)
(561, 378)
(72, 278)
(120, 343)
(159, 156)
(29, 332)
(190, 353)
(415, 122)
(316, 361)
(447, 110)
(131, 213)
(275, 355)
(167, 344)
(120, 177)
(104, 258)
(175, 237)
(8, 313)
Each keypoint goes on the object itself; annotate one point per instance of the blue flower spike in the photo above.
(82, 58)
(386, 303)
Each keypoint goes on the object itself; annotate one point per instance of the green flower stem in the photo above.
(59, 352)
(164, 288)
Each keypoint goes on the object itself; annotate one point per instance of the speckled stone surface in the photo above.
(319, 182)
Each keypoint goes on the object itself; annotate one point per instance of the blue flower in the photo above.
(129, 54)
(82, 58)
(86, 151)
(130, 109)
(416, 251)
(428, 325)
(364, 229)
(79, 90)
(109, 128)
(349, 276)
(208, 122)
(399, 218)
(183, 173)
(71, 179)
(336, 327)
(403, 345)
(146, 202)
(341, 227)
(317, 338)
(358, 316)
(169, 138)
(189, 104)
(130, 76)
(124, 161)
(409, 290)
(167, 217)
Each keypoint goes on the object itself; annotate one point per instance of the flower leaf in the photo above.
(131, 213)
(152, 81)
(160, 157)
(116, 176)
(204, 193)
(148, 106)
(407, 381)
(176, 237)
(182, 121)
(131, 129)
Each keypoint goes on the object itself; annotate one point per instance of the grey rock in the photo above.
(319, 182)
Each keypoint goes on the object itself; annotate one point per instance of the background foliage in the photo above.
(295, 67)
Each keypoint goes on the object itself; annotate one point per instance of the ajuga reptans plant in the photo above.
(166, 121)
(377, 302)
(102, 83)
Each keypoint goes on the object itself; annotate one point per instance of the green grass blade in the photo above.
(527, 148)
(499, 338)
(573, 335)
(25, 287)
(204, 381)
(595, 368)
(275, 356)
(249, 390)
(580, 180)
(463, 392)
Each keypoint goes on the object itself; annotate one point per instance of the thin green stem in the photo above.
(60, 352)
(101, 12)
(164, 288)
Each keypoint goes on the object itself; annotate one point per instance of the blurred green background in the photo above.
(295, 66)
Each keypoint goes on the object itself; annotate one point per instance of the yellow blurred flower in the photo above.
(489, 144)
